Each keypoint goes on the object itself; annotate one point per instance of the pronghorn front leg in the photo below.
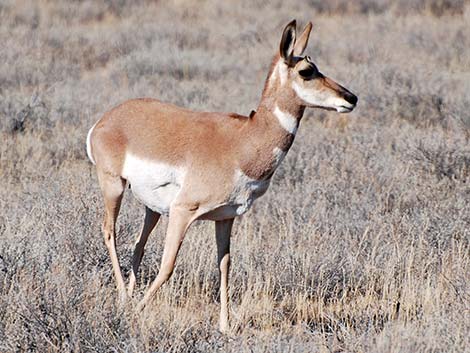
(151, 219)
(223, 230)
(179, 221)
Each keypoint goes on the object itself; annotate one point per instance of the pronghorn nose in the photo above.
(350, 98)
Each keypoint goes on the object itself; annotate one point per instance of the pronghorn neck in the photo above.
(279, 102)
(274, 126)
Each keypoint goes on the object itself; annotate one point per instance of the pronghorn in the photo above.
(198, 165)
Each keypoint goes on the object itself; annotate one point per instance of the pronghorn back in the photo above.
(158, 131)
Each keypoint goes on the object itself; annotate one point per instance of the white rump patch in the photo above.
(154, 183)
(287, 120)
(88, 144)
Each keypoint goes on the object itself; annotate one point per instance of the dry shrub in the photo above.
(362, 244)
(402, 7)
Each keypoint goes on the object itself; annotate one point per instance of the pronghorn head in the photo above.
(299, 73)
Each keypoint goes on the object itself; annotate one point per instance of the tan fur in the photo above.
(221, 155)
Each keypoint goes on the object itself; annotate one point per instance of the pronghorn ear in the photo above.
(288, 42)
(302, 42)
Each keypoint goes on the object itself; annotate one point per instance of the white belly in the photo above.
(155, 184)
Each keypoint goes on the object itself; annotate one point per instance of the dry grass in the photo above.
(362, 242)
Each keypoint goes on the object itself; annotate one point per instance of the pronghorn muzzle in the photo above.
(349, 99)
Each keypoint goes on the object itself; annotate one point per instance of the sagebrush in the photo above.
(360, 245)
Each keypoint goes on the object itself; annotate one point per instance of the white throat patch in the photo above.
(287, 120)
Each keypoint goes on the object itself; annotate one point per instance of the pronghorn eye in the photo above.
(308, 72)
(307, 68)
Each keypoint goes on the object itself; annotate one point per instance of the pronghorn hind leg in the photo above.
(151, 220)
(179, 221)
(223, 230)
(112, 187)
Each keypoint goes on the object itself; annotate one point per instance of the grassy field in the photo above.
(362, 243)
